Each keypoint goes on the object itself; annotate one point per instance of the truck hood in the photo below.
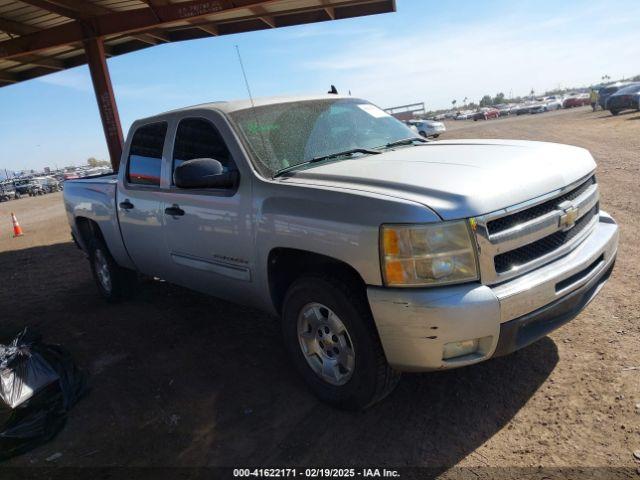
(459, 178)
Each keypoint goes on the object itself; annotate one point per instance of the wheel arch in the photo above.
(286, 265)
(87, 229)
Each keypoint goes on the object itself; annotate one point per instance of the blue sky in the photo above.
(431, 51)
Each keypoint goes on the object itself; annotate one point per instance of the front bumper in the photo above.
(415, 324)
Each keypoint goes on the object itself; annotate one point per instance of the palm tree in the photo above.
(453, 103)
(465, 101)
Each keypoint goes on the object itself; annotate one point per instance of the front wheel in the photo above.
(333, 343)
(114, 282)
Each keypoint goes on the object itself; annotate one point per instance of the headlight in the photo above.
(429, 254)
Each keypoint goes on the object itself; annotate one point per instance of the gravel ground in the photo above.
(179, 379)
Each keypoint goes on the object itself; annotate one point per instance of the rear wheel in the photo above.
(332, 341)
(615, 112)
(114, 282)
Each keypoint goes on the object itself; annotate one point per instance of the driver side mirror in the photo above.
(203, 173)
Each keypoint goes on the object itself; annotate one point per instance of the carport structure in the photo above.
(38, 37)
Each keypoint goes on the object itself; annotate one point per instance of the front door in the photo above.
(208, 232)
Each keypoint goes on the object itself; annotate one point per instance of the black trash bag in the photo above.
(39, 384)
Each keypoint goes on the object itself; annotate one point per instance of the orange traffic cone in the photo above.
(17, 231)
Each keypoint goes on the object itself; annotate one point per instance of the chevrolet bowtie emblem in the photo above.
(568, 218)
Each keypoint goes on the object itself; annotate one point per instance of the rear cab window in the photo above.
(144, 164)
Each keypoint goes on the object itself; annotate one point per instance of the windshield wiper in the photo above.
(345, 153)
(405, 141)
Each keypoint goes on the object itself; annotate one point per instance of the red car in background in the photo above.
(579, 100)
(486, 114)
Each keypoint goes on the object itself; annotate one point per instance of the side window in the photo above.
(198, 138)
(145, 154)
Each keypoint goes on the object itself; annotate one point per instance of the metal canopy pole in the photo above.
(106, 99)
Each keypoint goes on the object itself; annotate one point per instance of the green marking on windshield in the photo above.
(255, 127)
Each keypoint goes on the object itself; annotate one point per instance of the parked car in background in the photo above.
(23, 186)
(8, 192)
(627, 98)
(380, 252)
(576, 100)
(554, 102)
(48, 184)
(429, 128)
(413, 128)
(465, 115)
(26, 186)
(486, 113)
(605, 92)
(503, 109)
(546, 104)
(521, 109)
(538, 107)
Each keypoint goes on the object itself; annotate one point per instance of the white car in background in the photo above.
(554, 102)
(429, 128)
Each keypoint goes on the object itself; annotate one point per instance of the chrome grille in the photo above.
(521, 238)
(504, 223)
(523, 255)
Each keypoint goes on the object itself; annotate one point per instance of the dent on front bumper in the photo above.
(415, 324)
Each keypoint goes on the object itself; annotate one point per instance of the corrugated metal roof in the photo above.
(38, 37)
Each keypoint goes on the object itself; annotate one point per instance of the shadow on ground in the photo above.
(182, 379)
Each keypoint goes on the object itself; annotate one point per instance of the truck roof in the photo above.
(243, 104)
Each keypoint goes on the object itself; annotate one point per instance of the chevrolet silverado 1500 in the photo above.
(380, 251)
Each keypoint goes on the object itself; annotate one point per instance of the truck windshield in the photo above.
(286, 134)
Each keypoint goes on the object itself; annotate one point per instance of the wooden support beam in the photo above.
(210, 29)
(159, 35)
(263, 15)
(142, 20)
(106, 99)
(6, 77)
(271, 21)
(82, 10)
(331, 12)
(50, 63)
(116, 23)
(57, 8)
(16, 28)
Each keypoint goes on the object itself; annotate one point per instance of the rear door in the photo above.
(211, 239)
(138, 199)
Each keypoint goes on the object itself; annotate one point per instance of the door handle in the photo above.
(126, 205)
(174, 211)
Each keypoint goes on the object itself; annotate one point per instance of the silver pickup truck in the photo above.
(382, 252)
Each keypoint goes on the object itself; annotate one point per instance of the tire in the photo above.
(615, 112)
(422, 134)
(370, 377)
(114, 282)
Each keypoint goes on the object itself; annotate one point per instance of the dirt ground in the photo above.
(180, 379)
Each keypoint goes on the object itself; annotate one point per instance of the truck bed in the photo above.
(94, 199)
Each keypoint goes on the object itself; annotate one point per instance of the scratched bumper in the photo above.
(415, 324)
